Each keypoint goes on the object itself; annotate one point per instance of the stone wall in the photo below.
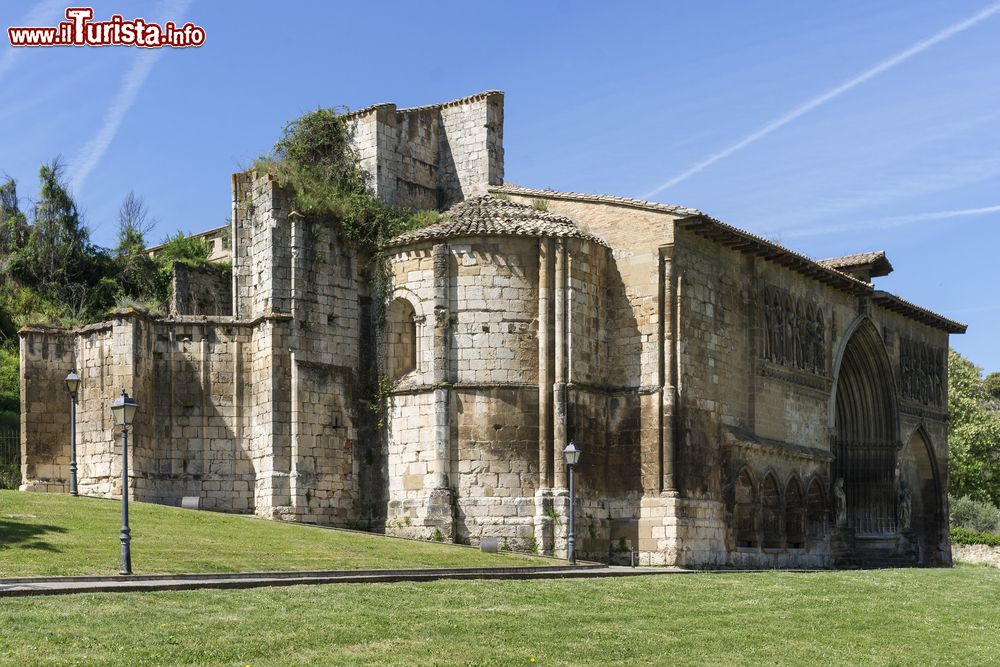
(201, 291)
(499, 471)
(261, 252)
(255, 414)
(434, 156)
(700, 397)
(46, 358)
(218, 416)
(700, 377)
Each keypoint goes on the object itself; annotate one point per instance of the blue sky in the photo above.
(831, 127)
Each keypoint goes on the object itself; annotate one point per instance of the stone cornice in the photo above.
(912, 409)
(804, 379)
(175, 320)
(745, 440)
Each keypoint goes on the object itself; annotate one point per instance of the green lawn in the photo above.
(48, 534)
(889, 617)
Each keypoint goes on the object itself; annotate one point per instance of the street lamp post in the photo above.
(124, 410)
(72, 385)
(572, 455)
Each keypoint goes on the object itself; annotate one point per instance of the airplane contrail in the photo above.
(93, 151)
(895, 221)
(835, 92)
(40, 15)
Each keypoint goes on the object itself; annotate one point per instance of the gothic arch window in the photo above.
(745, 511)
(771, 513)
(400, 338)
(795, 511)
(816, 509)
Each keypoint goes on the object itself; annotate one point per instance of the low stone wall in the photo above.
(976, 553)
(201, 291)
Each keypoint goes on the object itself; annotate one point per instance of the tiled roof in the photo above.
(827, 271)
(601, 199)
(919, 313)
(487, 215)
(857, 259)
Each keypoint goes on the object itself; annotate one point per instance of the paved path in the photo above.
(184, 582)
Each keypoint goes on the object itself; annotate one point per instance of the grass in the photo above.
(53, 535)
(887, 617)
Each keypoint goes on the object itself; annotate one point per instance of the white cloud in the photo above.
(829, 95)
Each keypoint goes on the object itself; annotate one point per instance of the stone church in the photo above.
(737, 404)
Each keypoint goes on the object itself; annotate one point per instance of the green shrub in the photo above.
(10, 475)
(315, 158)
(974, 515)
(964, 536)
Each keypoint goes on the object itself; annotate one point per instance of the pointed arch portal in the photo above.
(866, 434)
(920, 513)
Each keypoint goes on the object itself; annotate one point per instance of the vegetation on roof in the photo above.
(315, 158)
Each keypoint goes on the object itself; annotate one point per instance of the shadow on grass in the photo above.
(27, 535)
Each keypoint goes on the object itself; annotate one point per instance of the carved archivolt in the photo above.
(922, 371)
(793, 333)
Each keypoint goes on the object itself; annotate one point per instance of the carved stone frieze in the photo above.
(921, 371)
(793, 331)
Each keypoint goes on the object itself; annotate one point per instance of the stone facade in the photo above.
(200, 291)
(432, 157)
(737, 404)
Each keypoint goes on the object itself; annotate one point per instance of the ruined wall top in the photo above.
(431, 157)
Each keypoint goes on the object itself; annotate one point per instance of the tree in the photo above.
(973, 433)
(138, 276)
(53, 271)
(13, 223)
(992, 384)
(58, 243)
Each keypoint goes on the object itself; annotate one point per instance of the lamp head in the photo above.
(572, 454)
(124, 409)
(72, 383)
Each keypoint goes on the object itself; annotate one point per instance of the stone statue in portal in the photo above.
(905, 506)
(840, 497)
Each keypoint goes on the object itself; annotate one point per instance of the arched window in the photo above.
(795, 511)
(745, 511)
(771, 512)
(816, 510)
(400, 338)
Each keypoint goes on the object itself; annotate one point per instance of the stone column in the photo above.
(544, 525)
(668, 371)
(560, 434)
(559, 384)
(545, 366)
(439, 510)
(296, 488)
